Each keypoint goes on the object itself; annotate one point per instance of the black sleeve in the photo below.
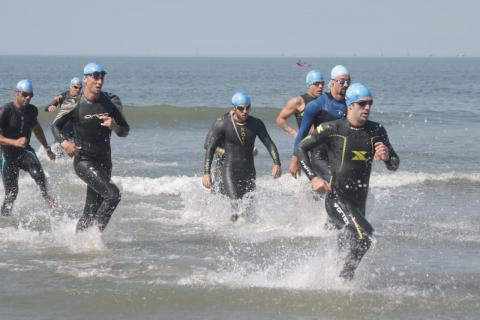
(54, 102)
(59, 123)
(4, 114)
(267, 142)
(124, 128)
(209, 136)
(394, 161)
(319, 136)
(115, 100)
(217, 133)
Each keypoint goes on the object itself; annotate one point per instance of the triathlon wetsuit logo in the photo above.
(97, 115)
(359, 155)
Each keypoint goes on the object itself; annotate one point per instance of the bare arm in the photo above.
(293, 105)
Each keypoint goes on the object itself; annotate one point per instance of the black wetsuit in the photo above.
(238, 171)
(217, 178)
(93, 164)
(299, 115)
(14, 124)
(350, 153)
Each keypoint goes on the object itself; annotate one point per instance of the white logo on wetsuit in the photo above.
(339, 210)
(306, 168)
(97, 115)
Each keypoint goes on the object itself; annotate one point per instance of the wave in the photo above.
(165, 113)
(404, 178)
(176, 185)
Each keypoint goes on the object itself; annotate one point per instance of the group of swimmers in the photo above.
(82, 127)
(334, 145)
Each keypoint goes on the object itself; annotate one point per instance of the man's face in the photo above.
(23, 98)
(360, 110)
(241, 112)
(316, 89)
(341, 84)
(75, 89)
(94, 82)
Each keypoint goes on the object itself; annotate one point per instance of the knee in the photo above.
(114, 196)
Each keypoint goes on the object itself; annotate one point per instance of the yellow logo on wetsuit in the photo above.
(320, 128)
(359, 155)
(243, 134)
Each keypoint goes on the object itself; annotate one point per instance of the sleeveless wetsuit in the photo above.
(238, 171)
(350, 154)
(14, 124)
(299, 115)
(93, 164)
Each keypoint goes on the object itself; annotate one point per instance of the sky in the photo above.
(242, 28)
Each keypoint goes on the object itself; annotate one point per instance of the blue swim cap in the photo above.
(356, 92)
(313, 76)
(338, 71)
(241, 99)
(24, 85)
(76, 80)
(93, 67)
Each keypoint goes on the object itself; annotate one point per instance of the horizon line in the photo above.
(237, 56)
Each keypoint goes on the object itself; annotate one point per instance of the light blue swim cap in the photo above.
(76, 80)
(357, 92)
(338, 71)
(241, 99)
(313, 76)
(93, 67)
(24, 85)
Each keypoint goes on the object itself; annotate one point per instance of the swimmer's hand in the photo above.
(207, 181)
(293, 168)
(109, 122)
(276, 171)
(20, 142)
(381, 152)
(50, 154)
(70, 148)
(320, 185)
(51, 108)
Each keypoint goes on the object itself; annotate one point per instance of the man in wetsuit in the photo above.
(17, 121)
(75, 87)
(237, 132)
(352, 144)
(296, 105)
(94, 117)
(329, 106)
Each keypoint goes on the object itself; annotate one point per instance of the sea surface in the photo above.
(170, 251)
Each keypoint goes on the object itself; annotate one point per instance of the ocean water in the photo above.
(170, 251)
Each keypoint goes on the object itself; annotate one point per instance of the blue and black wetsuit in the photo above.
(238, 139)
(322, 109)
(14, 124)
(350, 154)
(93, 164)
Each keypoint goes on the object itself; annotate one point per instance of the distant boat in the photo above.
(302, 64)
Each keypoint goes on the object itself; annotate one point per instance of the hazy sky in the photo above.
(241, 28)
